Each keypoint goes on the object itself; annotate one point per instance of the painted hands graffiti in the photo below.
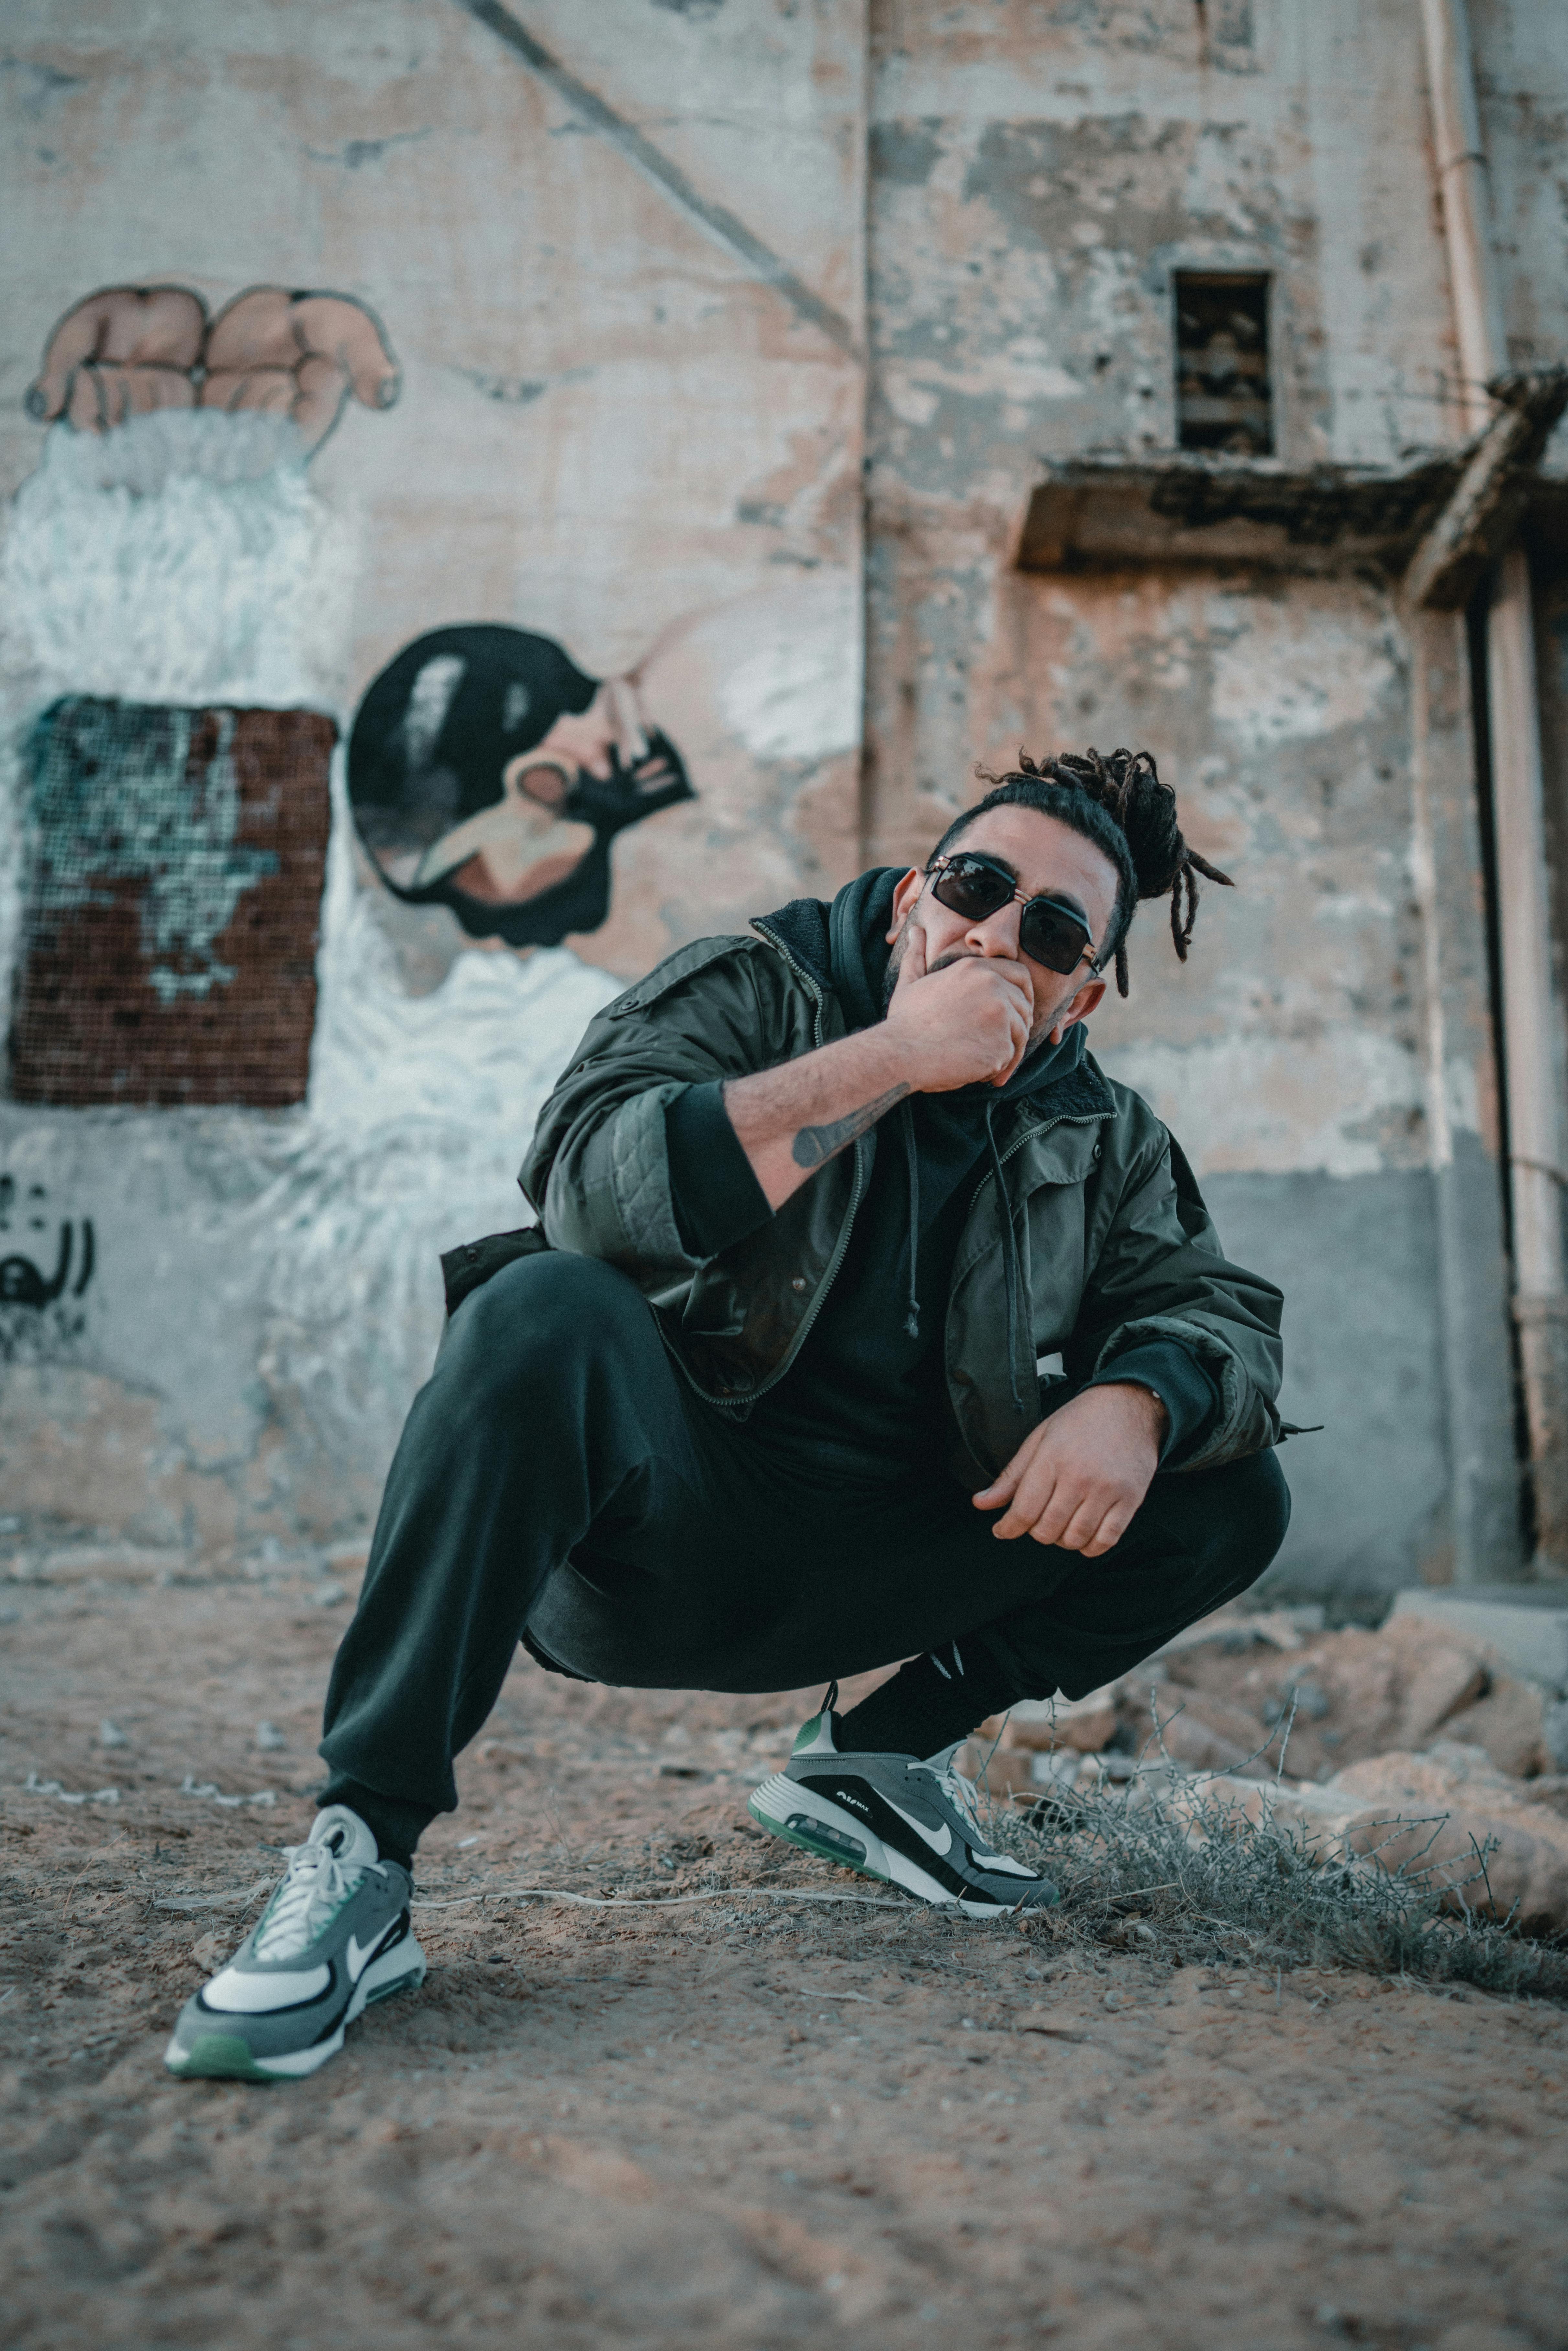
(488, 773)
(35, 1304)
(129, 350)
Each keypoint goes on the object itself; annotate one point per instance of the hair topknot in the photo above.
(1125, 787)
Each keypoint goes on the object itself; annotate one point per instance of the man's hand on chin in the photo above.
(1078, 1478)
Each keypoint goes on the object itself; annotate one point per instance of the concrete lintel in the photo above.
(1099, 513)
(1483, 510)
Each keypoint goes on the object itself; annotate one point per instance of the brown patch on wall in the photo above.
(168, 948)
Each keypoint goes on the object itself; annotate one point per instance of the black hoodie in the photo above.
(866, 1393)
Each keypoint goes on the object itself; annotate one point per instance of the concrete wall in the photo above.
(1037, 174)
(641, 300)
(624, 293)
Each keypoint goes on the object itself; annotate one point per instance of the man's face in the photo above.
(1045, 859)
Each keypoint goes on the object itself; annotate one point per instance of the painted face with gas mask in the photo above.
(489, 773)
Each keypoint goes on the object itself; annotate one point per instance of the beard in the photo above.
(895, 964)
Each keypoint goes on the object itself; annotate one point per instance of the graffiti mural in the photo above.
(170, 929)
(489, 773)
(170, 549)
(128, 351)
(41, 1279)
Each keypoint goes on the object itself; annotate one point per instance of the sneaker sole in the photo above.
(225, 2057)
(794, 1813)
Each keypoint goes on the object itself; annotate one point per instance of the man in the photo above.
(762, 1402)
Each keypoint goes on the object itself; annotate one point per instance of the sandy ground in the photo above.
(733, 2121)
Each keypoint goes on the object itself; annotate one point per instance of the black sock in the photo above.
(929, 1703)
(396, 1827)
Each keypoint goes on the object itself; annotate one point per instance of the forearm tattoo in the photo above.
(813, 1144)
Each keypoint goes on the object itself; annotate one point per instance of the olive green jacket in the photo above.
(1115, 1245)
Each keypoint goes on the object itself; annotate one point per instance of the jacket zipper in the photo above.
(744, 1404)
(1029, 1136)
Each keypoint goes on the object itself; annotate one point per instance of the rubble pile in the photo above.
(1420, 1746)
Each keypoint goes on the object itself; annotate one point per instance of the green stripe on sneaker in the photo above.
(821, 1851)
(219, 2057)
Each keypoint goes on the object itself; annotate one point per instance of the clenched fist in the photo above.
(967, 1022)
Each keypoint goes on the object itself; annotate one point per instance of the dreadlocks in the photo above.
(1117, 802)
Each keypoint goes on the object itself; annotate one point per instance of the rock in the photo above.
(1006, 1773)
(1456, 1800)
(1302, 1701)
(1508, 1722)
(1206, 1733)
(1481, 2334)
(1285, 1628)
(1231, 1801)
(1087, 1724)
(1446, 1770)
(1133, 1935)
(1340, 1696)
(1237, 1631)
(1522, 1876)
(269, 1738)
(1554, 1734)
(1438, 1674)
(1522, 1627)
(109, 1734)
(1432, 1815)
(1551, 1790)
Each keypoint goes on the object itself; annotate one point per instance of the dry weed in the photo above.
(1203, 1882)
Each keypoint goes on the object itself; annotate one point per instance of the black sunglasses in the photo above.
(1048, 933)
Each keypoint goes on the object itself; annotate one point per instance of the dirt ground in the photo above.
(730, 2121)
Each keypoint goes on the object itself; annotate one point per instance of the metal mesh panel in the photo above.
(169, 943)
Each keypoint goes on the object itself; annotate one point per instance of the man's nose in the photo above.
(997, 933)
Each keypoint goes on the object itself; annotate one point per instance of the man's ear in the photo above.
(903, 898)
(1085, 1002)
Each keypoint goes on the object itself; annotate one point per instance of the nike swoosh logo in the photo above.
(940, 1841)
(358, 1954)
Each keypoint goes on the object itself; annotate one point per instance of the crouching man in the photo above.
(769, 1399)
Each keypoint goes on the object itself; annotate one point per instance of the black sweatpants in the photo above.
(558, 1476)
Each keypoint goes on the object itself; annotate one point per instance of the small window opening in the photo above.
(1223, 398)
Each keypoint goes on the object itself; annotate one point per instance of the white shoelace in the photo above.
(315, 1889)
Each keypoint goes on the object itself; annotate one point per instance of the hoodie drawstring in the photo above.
(1012, 1273)
(1012, 1265)
(911, 1162)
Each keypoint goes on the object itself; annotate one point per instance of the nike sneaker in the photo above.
(334, 1938)
(911, 1822)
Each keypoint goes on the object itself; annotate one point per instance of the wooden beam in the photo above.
(1482, 515)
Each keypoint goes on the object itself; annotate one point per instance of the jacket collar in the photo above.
(1081, 1094)
(800, 929)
